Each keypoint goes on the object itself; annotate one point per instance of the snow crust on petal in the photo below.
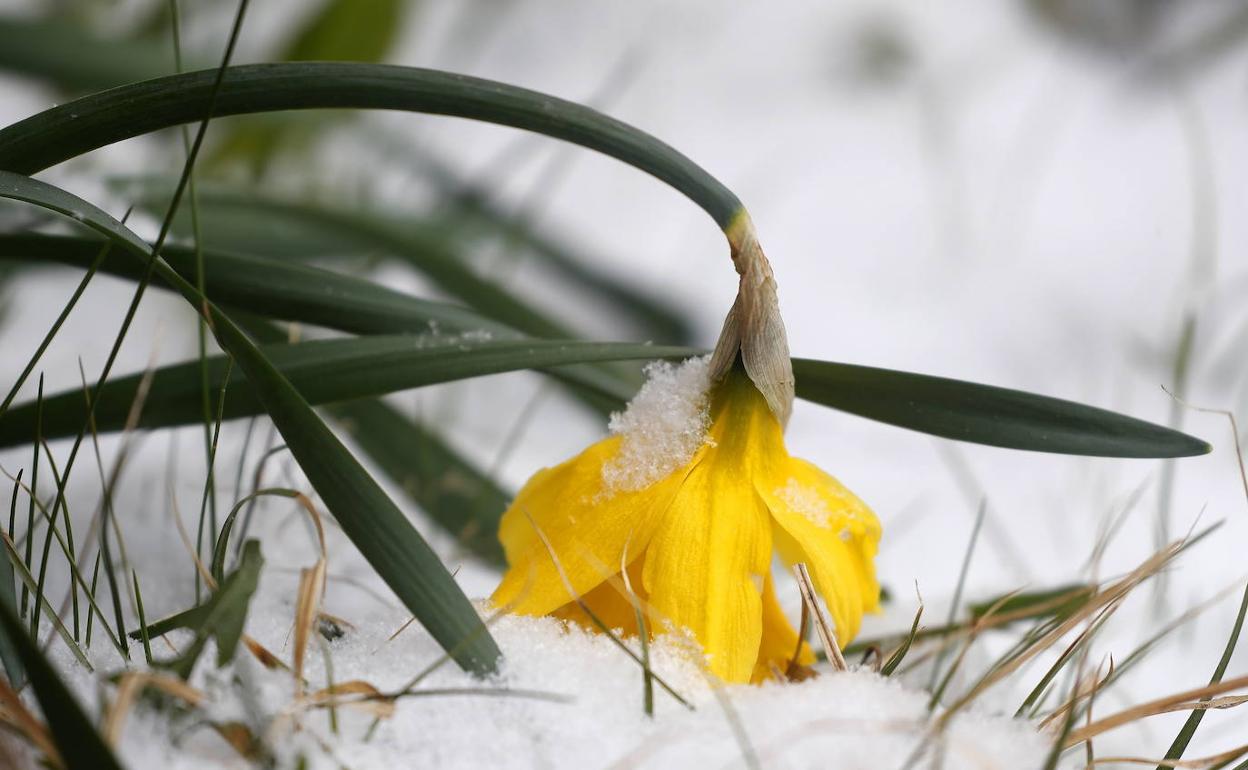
(662, 427)
(812, 503)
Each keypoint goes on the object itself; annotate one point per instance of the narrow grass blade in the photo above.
(369, 518)
(221, 548)
(1031, 704)
(897, 657)
(957, 600)
(1068, 724)
(984, 414)
(91, 268)
(28, 580)
(323, 372)
(36, 445)
(75, 576)
(76, 739)
(8, 596)
(1047, 633)
(1181, 741)
(143, 635)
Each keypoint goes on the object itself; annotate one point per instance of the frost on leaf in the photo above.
(662, 426)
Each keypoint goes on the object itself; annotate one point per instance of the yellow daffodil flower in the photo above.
(699, 540)
(692, 508)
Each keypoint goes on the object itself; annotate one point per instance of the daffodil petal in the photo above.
(610, 603)
(586, 525)
(779, 642)
(820, 522)
(707, 564)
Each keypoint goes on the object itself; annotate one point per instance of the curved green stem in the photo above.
(85, 124)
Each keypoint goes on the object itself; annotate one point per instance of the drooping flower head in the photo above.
(689, 499)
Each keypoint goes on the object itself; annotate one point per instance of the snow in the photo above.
(662, 426)
(576, 702)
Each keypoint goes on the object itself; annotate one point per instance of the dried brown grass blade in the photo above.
(1216, 760)
(129, 688)
(369, 700)
(1087, 688)
(1183, 701)
(1101, 600)
(262, 654)
(185, 537)
(15, 714)
(308, 602)
(240, 738)
(311, 591)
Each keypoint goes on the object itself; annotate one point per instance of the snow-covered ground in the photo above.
(994, 203)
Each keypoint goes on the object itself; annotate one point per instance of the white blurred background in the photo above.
(1036, 195)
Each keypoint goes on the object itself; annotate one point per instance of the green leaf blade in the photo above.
(464, 501)
(984, 414)
(36, 48)
(366, 514)
(275, 288)
(281, 290)
(221, 617)
(322, 372)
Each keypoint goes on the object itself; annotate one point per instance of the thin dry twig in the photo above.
(826, 635)
(1216, 760)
